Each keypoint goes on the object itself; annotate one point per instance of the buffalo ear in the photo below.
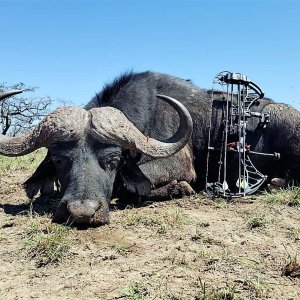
(43, 179)
(134, 179)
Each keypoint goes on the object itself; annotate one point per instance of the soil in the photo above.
(191, 248)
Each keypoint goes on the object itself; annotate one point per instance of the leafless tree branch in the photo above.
(20, 113)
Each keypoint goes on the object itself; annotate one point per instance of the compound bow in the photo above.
(232, 151)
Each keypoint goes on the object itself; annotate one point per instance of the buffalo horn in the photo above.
(110, 125)
(62, 124)
(7, 94)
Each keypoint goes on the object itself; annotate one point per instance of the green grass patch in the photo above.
(46, 242)
(162, 222)
(258, 286)
(180, 259)
(294, 233)
(256, 221)
(290, 197)
(27, 162)
(136, 291)
(211, 293)
(292, 268)
(122, 249)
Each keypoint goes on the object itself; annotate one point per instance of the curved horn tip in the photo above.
(113, 125)
(180, 107)
(10, 93)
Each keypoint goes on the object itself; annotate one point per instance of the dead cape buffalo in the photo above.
(127, 139)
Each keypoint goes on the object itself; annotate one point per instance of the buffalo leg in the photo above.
(170, 177)
(172, 190)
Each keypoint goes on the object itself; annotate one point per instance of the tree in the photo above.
(20, 113)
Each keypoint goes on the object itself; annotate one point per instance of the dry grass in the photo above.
(187, 249)
(162, 222)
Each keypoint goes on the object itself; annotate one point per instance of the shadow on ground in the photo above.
(40, 206)
(46, 206)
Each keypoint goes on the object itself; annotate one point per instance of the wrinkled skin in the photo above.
(91, 173)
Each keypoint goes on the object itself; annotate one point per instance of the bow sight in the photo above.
(229, 169)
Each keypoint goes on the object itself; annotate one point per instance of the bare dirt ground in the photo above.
(192, 248)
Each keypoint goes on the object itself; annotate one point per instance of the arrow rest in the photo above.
(230, 171)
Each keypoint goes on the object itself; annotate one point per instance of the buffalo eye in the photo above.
(58, 161)
(111, 163)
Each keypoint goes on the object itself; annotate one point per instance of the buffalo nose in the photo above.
(82, 211)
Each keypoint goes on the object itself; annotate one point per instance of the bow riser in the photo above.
(236, 175)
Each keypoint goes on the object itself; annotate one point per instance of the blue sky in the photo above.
(70, 48)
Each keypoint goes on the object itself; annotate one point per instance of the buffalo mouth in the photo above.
(82, 213)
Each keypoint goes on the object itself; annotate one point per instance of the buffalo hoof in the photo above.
(276, 185)
(186, 188)
(180, 189)
(172, 190)
(280, 182)
(273, 189)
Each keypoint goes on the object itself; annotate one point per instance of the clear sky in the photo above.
(70, 48)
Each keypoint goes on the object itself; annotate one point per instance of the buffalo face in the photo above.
(86, 171)
(86, 153)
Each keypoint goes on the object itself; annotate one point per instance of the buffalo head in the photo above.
(86, 147)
